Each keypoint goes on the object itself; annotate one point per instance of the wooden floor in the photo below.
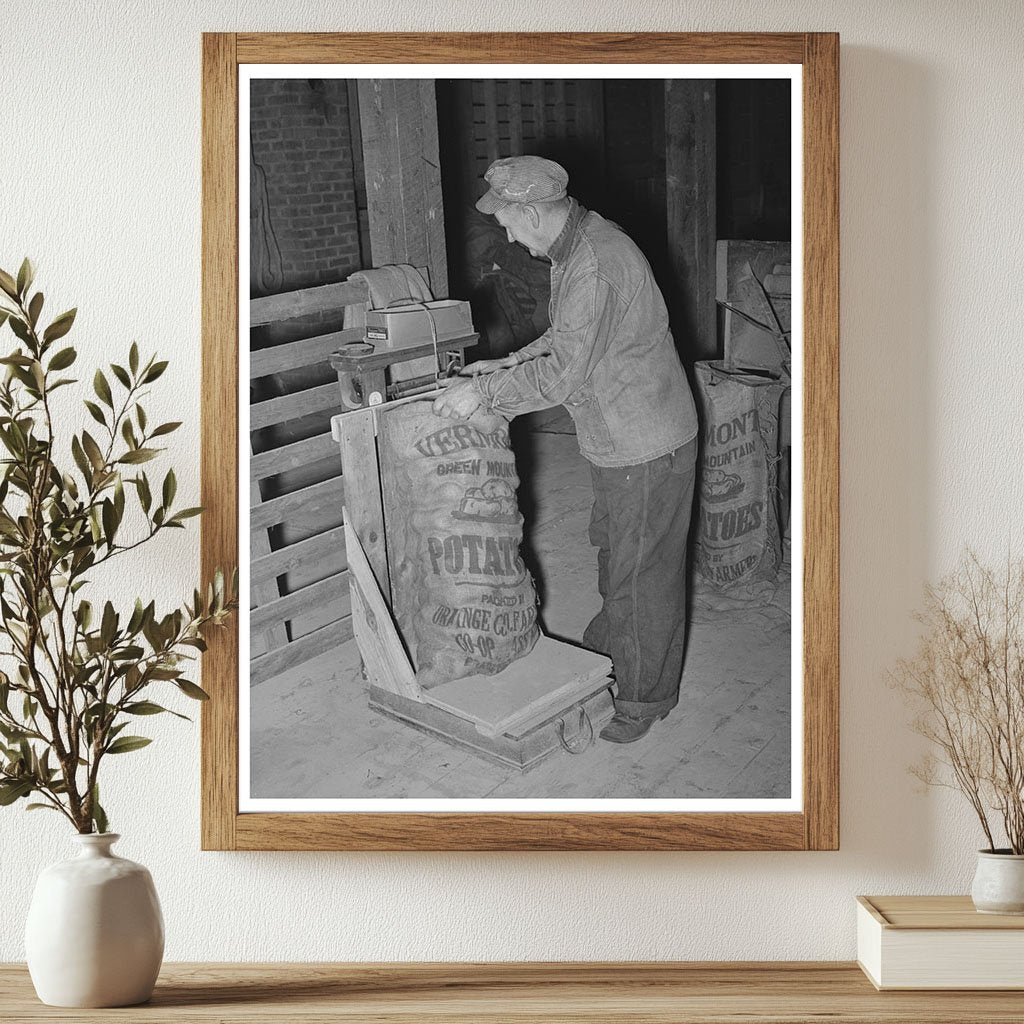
(621, 993)
(313, 735)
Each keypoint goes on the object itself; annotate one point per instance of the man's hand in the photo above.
(488, 366)
(459, 401)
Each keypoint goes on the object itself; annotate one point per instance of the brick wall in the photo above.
(301, 138)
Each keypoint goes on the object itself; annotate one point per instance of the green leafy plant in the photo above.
(80, 672)
(967, 682)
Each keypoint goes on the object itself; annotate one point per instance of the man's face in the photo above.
(520, 227)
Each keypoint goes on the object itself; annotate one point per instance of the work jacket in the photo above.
(608, 355)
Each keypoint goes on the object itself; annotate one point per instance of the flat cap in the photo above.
(522, 179)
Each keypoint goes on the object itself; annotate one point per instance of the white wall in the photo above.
(100, 183)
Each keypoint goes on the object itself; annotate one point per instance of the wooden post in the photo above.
(398, 118)
(590, 178)
(690, 212)
(358, 171)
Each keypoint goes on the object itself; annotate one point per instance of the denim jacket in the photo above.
(608, 355)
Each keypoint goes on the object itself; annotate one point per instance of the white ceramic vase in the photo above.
(999, 883)
(95, 933)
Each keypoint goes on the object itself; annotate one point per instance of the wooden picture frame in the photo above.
(816, 826)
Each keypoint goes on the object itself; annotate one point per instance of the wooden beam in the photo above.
(305, 552)
(590, 128)
(322, 299)
(398, 118)
(323, 398)
(292, 456)
(308, 598)
(321, 640)
(690, 213)
(325, 494)
(358, 171)
(297, 355)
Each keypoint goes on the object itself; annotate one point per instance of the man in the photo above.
(608, 356)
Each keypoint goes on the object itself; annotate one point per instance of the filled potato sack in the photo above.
(463, 600)
(738, 546)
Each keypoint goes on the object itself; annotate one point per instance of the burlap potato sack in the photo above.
(463, 599)
(738, 544)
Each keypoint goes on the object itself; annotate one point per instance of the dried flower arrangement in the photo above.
(967, 679)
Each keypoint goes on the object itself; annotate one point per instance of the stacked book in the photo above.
(938, 942)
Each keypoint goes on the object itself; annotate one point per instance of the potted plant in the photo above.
(77, 672)
(967, 680)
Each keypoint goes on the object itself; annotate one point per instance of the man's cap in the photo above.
(522, 179)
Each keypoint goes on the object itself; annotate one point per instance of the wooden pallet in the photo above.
(555, 698)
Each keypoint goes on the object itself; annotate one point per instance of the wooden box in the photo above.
(938, 942)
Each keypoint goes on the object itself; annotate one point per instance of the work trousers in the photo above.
(639, 525)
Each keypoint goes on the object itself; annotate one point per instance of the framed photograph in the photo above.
(520, 419)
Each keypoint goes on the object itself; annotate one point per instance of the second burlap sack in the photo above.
(738, 547)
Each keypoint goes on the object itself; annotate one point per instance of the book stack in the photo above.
(938, 942)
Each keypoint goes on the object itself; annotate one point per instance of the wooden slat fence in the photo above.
(273, 612)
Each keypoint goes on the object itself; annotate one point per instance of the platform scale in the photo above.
(554, 699)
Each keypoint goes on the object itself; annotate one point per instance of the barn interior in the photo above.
(349, 174)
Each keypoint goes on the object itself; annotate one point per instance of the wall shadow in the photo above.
(888, 264)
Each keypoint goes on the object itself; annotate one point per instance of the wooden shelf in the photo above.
(699, 993)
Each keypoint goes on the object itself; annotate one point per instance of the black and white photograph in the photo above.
(524, 377)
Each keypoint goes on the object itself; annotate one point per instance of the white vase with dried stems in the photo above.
(72, 681)
(967, 682)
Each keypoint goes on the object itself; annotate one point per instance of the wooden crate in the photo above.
(557, 697)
